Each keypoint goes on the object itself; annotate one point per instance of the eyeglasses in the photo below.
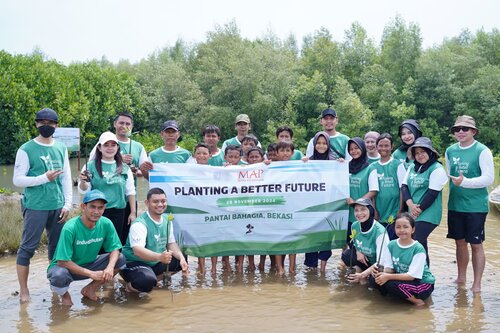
(460, 128)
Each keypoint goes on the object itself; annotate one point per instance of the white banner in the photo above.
(284, 207)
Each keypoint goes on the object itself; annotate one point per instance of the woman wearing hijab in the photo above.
(409, 131)
(422, 189)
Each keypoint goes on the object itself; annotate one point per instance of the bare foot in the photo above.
(459, 281)
(476, 288)
(66, 299)
(24, 295)
(280, 271)
(89, 290)
(416, 301)
(130, 289)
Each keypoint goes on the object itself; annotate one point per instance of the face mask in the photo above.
(46, 131)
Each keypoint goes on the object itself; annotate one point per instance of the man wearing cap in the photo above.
(338, 141)
(42, 168)
(170, 152)
(243, 126)
(77, 254)
(471, 169)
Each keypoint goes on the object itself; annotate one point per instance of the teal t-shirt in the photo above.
(358, 186)
(418, 185)
(160, 155)
(388, 198)
(471, 200)
(297, 155)
(133, 148)
(48, 196)
(402, 156)
(217, 159)
(111, 184)
(373, 159)
(81, 244)
(156, 238)
(338, 144)
(366, 242)
(402, 258)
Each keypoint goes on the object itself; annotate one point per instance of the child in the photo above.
(248, 142)
(406, 274)
(232, 155)
(285, 133)
(272, 152)
(369, 242)
(202, 155)
(362, 177)
(321, 151)
(391, 173)
(211, 136)
(285, 152)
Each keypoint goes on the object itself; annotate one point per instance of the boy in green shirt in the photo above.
(77, 253)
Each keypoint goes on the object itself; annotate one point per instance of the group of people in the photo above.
(395, 203)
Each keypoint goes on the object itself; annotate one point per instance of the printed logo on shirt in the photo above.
(50, 164)
(111, 177)
(385, 181)
(89, 241)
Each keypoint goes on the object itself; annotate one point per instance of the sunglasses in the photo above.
(460, 128)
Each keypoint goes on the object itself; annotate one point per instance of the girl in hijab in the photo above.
(322, 151)
(422, 189)
(409, 131)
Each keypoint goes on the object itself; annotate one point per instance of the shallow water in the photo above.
(248, 302)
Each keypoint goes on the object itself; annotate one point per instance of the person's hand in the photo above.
(63, 215)
(350, 201)
(165, 257)
(97, 275)
(107, 274)
(184, 266)
(341, 160)
(132, 217)
(127, 158)
(381, 278)
(457, 180)
(305, 159)
(354, 278)
(415, 210)
(147, 166)
(267, 162)
(53, 174)
(361, 258)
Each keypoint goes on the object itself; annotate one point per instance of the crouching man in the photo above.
(77, 253)
(146, 250)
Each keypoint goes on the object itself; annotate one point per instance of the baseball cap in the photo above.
(94, 195)
(328, 112)
(107, 136)
(47, 114)
(170, 124)
(242, 118)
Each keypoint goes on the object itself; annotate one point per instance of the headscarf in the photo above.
(358, 164)
(414, 127)
(327, 155)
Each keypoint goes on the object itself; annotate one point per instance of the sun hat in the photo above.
(423, 142)
(465, 121)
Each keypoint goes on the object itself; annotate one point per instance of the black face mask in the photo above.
(46, 130)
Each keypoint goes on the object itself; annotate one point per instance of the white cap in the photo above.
(107, 136)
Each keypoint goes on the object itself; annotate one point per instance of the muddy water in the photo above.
(228, 302)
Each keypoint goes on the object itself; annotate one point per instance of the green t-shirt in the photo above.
(338, 144)
(472, 200)
(388, 199)
(133, 148)
(297, 155)
(402, 258)
(81, 244)
(42, 158)
(358, 186)
(366, 242)
(217, 159)
(160, 155)
(111, 184)
(402, 156)
(156, 239)
(373, 159)
(418, 185)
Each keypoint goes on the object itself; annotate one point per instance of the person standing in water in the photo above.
(42, 169)
(471, 169)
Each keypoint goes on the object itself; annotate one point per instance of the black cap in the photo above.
(328, 112)
(170, 124)
(47, 114)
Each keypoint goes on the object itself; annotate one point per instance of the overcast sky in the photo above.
(80, 30)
